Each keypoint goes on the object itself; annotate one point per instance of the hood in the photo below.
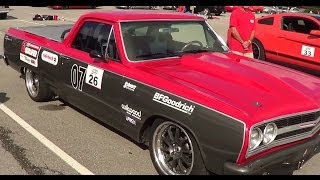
(258, 89)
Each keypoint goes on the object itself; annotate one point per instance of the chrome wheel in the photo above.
(173, 150)
(32, 83)
(256, 50)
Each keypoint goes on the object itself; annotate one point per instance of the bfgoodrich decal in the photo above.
(49, 57)
(178, 105)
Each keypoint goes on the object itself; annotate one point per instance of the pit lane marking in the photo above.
(46, 142)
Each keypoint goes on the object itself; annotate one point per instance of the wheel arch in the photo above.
(145, 131)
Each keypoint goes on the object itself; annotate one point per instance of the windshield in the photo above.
(163, 39)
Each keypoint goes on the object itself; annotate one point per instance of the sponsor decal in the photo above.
(129, 86)
(132, 121)
(94, 76)
(252, 21)
(29, 53)
(49, 57)
(130, 111)
(178, 105)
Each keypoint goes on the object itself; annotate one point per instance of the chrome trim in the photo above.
(297, 127)
(286, 116)
(285, 140)
(106, 50)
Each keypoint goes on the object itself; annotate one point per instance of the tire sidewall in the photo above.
(198, 165)
(44, 94)
(262, 55)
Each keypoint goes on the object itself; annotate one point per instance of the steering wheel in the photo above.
(190, 43)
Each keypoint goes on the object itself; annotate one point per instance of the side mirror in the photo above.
(95, 54)
(315, 32)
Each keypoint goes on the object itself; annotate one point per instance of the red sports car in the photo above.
(230, 8)
(257, 9)
(289, 38)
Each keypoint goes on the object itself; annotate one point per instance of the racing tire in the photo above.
(3, 16)
(174, 151)
(37, 88)
(258, 50)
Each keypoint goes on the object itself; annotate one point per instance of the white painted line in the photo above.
(29, 22)
(46, 142)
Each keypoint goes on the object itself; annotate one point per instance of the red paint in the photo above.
(288, 43)
(227, 82)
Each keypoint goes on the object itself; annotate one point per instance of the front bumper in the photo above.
(282, 162)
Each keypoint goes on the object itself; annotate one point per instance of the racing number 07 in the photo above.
(77, 76)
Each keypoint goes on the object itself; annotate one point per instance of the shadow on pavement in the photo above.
(3, 97)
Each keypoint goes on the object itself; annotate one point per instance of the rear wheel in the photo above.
(37, 89)
(258, 50)
(3, 16)
(174, 151)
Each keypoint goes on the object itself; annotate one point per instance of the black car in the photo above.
(209, 10)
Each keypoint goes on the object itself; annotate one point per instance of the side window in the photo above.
(92, 36)
(266, 21)
(299, 25)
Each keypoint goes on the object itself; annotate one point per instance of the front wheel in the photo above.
(37, 89)
(174, 151)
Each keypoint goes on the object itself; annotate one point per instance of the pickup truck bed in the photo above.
(52, 32)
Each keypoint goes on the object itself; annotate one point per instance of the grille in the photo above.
(289, 121)
(294, 133)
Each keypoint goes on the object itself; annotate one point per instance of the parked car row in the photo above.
(282, 9)
(4, 10)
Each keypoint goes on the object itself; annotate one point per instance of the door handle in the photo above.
(282, 36)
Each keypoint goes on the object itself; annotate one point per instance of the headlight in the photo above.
(269, 133)
(256, 137)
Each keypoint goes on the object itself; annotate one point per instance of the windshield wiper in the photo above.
(153, 55)
(194, 51)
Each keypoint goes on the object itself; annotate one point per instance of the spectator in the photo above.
(241, 31)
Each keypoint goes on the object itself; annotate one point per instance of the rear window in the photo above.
(266, 21)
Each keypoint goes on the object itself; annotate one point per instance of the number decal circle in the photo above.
(94, 76)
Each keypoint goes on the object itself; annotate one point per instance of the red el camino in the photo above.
(292, 39)
(167, 80)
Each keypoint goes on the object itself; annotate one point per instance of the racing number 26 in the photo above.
(93, 80)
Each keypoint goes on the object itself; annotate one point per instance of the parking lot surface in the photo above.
(54, 138)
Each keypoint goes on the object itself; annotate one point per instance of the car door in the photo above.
(295, 44)
(91, 83)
